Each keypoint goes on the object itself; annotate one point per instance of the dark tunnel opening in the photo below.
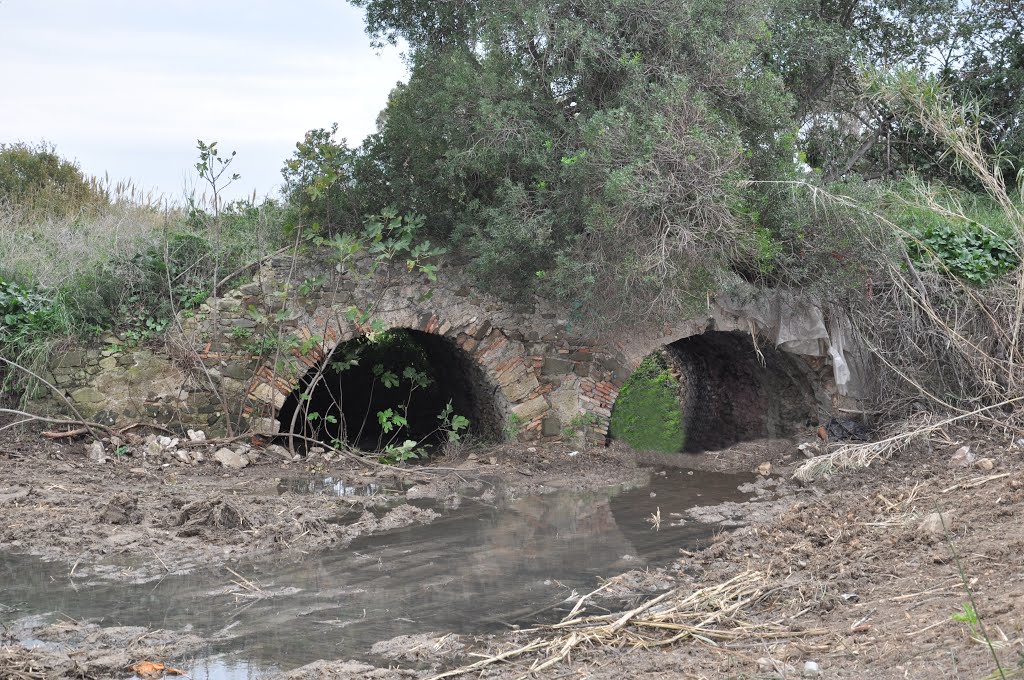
(393, 388)
(714, 390)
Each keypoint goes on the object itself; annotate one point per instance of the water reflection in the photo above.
(480, 567)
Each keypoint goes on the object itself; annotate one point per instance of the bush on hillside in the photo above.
(36, 178)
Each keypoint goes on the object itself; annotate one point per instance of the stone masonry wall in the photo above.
(229, 365)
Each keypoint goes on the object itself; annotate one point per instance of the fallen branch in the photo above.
(89, 427)
(54, 390)
(67, 434)
(974, 483)
(856, 456)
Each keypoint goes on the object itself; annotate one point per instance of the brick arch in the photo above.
(808, 362)
(546, 373)
(501, 360)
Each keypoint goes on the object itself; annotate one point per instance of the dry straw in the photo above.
(713, 615)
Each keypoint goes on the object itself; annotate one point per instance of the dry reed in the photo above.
(713, 615)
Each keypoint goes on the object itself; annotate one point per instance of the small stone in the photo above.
(167, 442)
(531, 449)
(88, 395)
(279, 451)
(196, 436)
(776, 668)
(811, 669)
(183, 457)
(808, 449)
(985, 463)
(493, 460)
(230, 459)
(96, 453)
(932, 524)
(265, 426)
(963, 457)
(764, 469)
(153, 448)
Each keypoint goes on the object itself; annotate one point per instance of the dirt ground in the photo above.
(137, 518)
(855, 576)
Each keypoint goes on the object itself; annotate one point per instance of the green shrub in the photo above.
(976, 249)
(36, 178)
(648, 414)
(25, 316)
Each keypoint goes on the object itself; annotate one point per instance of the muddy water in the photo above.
(481, 567)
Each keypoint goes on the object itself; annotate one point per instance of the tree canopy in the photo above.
(605, 151)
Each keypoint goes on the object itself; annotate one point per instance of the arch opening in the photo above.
(710, 391)
(370, 394)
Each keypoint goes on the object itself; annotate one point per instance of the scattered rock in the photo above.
(985, 463)
(266, 426)
(230, 459)
(183, 457)
(809, 449)
(764, 469)
(279, 451)
(196, 436)
(932, 524)
(811, 669)
(775, 669)
(96, 452)
(963, 457)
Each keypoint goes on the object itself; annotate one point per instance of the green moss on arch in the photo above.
(648, 414)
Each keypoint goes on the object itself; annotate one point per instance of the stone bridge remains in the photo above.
(233, 363)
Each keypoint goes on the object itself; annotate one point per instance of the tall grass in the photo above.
(114, 258)
(48, 250)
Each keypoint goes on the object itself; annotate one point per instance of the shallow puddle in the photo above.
(479, 568)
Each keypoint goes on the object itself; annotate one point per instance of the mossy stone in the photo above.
(648, 414)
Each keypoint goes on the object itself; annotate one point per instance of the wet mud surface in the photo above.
(853, 568)
(279, 565)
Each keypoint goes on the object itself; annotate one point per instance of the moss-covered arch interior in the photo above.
(710, 391)
(407, 375)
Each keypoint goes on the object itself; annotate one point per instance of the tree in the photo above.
(592, 147)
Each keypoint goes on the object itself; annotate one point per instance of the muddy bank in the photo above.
(87, 651)
(138, 518)
(857, 573)
(849, 577)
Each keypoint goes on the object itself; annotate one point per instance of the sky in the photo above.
(126, 87)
